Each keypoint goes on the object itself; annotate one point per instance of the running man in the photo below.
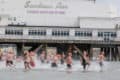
(42, 57)
(85, 60)
(62, 60)
(69, 60)
(101, 59)
(48, 58)
(10, 56)
(27, 60)
(54, 62)
(1, 54)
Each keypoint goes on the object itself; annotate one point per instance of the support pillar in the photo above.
(110, 55)
(19, 49)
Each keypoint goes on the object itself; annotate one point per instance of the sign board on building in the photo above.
(54, 12)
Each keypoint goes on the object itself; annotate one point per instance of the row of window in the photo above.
(37, 32)
(83, 34)
(13, 32)
(60, 33)
(107, 34)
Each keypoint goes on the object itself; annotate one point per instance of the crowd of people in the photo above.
(29, 59)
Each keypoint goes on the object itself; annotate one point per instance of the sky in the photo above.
(115, 3)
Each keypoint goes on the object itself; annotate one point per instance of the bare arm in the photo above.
(36, 50)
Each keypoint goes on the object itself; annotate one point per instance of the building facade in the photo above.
(87, 24)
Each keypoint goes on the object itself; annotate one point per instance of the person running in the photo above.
(85, 60)
(101, 59)
(62, 60)
(32, 58)
(42, 57)
(27, 60)
(10, 56)
(69, 60)
(54, 61)
(48, 58)
(1, 54)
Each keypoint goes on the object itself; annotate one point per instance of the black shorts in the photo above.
(87, 63)
(84, 63)
(53, 65)
(42, 61)
(62, 61)
(69, 66)
(9, 62)
(101, 64)
(26, 62)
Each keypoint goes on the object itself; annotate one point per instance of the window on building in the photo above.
(100, 34)
(83, 33)
(13, 32)
(107, 34)
(113, 34)
(37, 32)
(60, 33)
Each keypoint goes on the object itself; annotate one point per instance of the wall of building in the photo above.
(97, 23)
(58, 12)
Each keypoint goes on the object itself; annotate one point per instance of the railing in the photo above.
(24, 34)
